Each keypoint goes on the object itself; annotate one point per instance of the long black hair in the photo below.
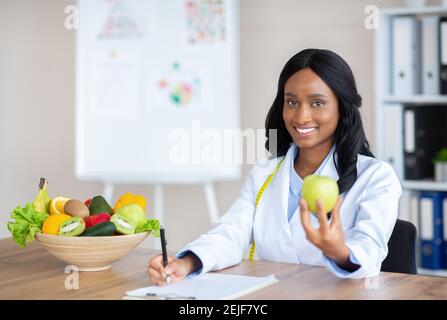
(349, 136)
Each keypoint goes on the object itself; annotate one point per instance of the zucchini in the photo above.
(102, 229)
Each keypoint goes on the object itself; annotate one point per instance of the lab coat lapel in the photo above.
(280, 190)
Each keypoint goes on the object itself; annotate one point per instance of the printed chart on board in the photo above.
(157, 87)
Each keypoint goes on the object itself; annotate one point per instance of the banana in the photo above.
(42, 201)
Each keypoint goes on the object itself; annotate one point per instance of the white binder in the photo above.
(410, 131)
(393, 141)
(409, 206)
(405, 206)
(426, 219)
(430, 55)
(405, 66)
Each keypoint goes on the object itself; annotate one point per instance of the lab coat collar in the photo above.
(284, 172)
(329, 168)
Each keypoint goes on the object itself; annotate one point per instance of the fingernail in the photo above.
(168, 269)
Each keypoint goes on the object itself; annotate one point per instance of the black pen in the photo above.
(164, 253)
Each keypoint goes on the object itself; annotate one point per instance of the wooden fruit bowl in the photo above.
(90, 253)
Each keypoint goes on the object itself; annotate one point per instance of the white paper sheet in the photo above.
(210, 286)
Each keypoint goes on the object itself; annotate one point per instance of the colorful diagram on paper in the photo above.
(122, 22)
(181, 93)
(205, 21)
(179, 88)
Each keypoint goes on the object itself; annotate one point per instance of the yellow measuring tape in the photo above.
(258, 199)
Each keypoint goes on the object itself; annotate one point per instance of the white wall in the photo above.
(37, 94)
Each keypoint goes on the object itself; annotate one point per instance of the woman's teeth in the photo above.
(306, 130)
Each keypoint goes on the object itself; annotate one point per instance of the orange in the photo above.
(57, 205)
(52, 224)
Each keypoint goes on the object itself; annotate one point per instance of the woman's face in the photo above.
(310, 110)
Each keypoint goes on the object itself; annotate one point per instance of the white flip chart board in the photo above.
(157, 88)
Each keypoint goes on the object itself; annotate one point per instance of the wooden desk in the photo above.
(32, 273)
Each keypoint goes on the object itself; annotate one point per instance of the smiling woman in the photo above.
(319, 101)
(317, 89)
(316, 120)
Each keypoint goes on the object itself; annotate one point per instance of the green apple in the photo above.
(320, 187)
(133, 212)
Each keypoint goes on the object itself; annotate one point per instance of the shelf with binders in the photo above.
(411, 114)
(411, 69)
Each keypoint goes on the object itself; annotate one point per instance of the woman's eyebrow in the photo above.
(312, 95)
(317, 95)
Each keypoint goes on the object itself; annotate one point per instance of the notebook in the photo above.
(208, 286)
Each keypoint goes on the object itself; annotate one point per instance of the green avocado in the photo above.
(99, 205)
(100, 230)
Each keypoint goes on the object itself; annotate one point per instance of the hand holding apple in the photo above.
(329, 237)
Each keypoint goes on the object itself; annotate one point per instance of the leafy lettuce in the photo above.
(149, 225)
(26, 223)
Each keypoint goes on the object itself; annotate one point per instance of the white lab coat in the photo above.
(368, 214)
